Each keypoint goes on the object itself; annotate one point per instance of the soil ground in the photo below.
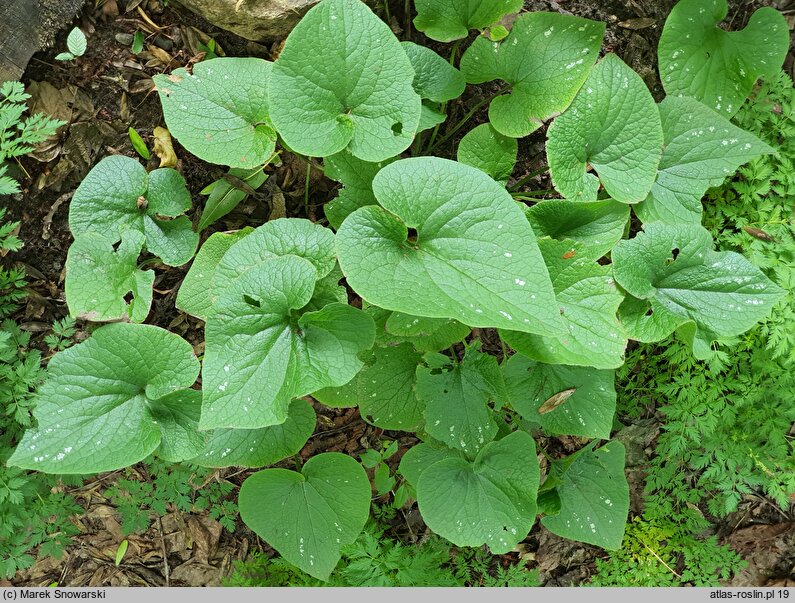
(109, 90)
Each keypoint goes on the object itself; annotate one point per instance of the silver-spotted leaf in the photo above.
(342, 81)
(474, 258)
(456, 398)
(447, 20)
(588, 300)
(177, 414)
(261, 352)
(308, 516)
(120, 376)
(260, 447)
(491, 500)
(687, 285)
(594, 498)
(421, 456)
(586, 399)
(118, 195)
(98, 279)
(612, 126)
(701, 150)
(219, 112)
(718, 67)
(545, 59)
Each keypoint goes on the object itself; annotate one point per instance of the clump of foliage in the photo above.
(706, 453)
(18, 134)
(445, 259)
(374, 559)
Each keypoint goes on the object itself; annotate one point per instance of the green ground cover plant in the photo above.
(444, 259)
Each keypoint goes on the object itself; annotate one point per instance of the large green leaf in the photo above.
(447, 20)
(701, 150)
(99, 278)
(456, 400)
(587, 299)
(594, 498)
(277, 238)
(219, 112)
(193, 296)
(564, 400)
(613, 126)
(118, 195)
(474, 258)
(343, 81)
(357, 191)
(488, 150)
(434, 78)
(491, 500)
(98, 409)
(261, 353)
(598, 225)
(699, 59)
(308, 516)
(545, 59)
(260, 447)
(383, 389)
(687, 285)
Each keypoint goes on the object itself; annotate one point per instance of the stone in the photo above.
(257, 20)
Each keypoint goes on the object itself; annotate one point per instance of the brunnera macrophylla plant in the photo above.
(438, 250)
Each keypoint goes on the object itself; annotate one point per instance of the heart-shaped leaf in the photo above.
(193, 296)
(219, 112)
(124, 374)
(277, 238)
(474, 257)
(588, 299)
(699, 59)
(701, 150)
(456, 400)
(564, 400)
(260, 447)
(355, 92)
(261, 352)
(434, 78)
(594, 498)
(308, 516)
(488, 150)
(491, 500)
(118, 196)
(447, 20)
(597, 225)
(545, 59)
(98, 279)
(687, 285)
(613, 126)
